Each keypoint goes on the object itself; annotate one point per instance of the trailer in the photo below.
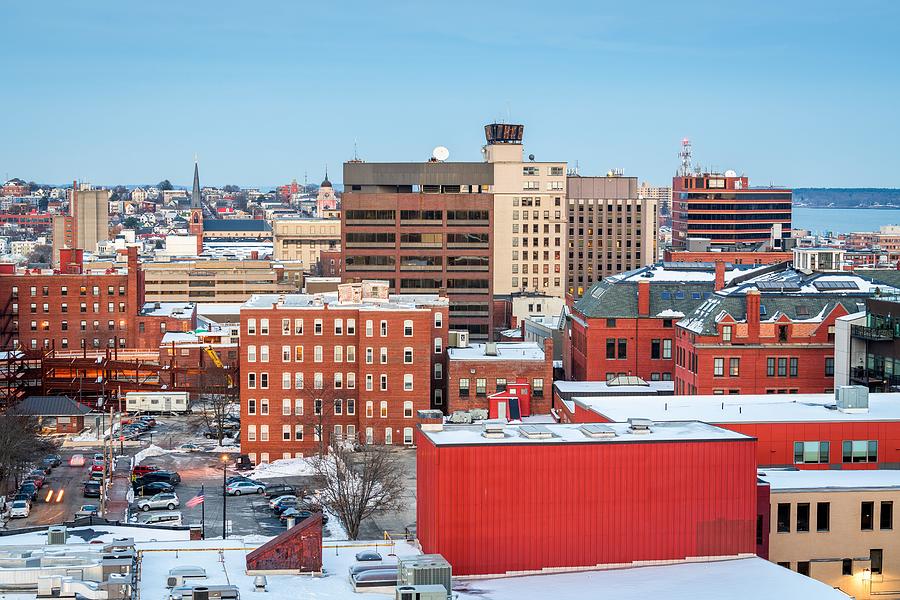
(158, 402)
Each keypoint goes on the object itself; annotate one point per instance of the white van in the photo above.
(168, 517)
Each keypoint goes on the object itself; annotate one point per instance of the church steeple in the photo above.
(195, 192)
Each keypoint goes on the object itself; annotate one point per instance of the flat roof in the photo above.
(603, 387)
(762, 408)
(784, 480)
(317, 301)
(573, 433)
(505, 351)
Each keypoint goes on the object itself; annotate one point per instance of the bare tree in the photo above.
(21, 444)
(357, 485)
(218, 398)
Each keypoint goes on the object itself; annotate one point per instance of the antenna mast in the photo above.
(685, 155)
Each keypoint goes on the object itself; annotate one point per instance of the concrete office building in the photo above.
(529, 216)
(214, 280)
(86, 223)
(424, 228)
(304, 239)
(610, 229)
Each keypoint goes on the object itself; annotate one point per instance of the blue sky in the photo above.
(799, 93)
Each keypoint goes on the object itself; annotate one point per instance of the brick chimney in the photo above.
(643, 298)
(753, 316)
(720, 274)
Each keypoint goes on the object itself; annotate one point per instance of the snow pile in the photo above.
(285, 467)
(149, 451)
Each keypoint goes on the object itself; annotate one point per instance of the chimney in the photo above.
(752, 316)
(720, 274)
(643, 298)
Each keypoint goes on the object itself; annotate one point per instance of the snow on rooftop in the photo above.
(689, 273)
(604, 387)
(504, 351)
(465, 435)
(737, 579)
(292, 301)
(178, 337)
(788, 480)
(177, 310)
(762, 408)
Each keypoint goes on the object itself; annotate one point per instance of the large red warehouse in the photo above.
(505, 499)
(807, 431)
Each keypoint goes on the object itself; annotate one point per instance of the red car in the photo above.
(140, 470)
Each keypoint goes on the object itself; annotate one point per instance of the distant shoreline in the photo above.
(848, 207)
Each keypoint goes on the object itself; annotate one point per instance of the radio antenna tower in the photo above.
(685, 155)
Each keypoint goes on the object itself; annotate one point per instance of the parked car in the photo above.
(77, 460)
(171, 518)
(96, 476)
(168, 500)
(279, 499)
(55, 459)
(190, 448)
(298, 515)
(152, 488)
(21, 496)
(244, 487)
(235, 478)
(140, 470)
(43, 469)
(170, 477)
(150, 421)
(38, 477)
(273, 490)
(19, 509)
(48, 465)
(87, 510)
(37, 483)
(29, 488)
(98, 456)
(91, 489)
(279, 508)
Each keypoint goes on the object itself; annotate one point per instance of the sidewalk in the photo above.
(117, 501)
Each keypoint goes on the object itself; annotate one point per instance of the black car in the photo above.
(273, 490)
(283, 506)
(91, 489)
(170, 477)
(152, 488)
(22, 496)
(54, 459)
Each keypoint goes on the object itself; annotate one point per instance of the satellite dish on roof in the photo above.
(440, 153)
(730, 173)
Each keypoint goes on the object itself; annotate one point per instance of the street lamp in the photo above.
(224, 459)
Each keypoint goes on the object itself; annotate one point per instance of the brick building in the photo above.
(735, 257)
(357, 365)
(477, 372)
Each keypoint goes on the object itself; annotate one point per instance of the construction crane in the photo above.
(218, 362)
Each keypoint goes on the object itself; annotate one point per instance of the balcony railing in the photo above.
(871, 333)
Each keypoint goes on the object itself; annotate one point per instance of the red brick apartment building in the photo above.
(317, 369)
(568, 496)
(806, 431)
(425, 228)
(480, 375)
(75, 308)
(727, 211)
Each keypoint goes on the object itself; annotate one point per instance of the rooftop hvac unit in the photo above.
(57, 535)
(425, 570)
(852, 398)
(459, 339)
(490, 349)
(494, 429)
(639, 426)
(535, 432)
(421, 592)
(597, 430)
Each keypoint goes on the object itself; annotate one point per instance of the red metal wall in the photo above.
(584, 504)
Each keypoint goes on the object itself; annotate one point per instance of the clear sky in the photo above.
(795, 92)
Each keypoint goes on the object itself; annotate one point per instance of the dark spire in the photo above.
(326, 183)
(195, 193)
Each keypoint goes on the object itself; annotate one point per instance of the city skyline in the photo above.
(129, 94)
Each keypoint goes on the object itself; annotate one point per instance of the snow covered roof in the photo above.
(762, 408)
(504, 351)
(788, 480)
(574, 433)
(603, 388)
(174, 310)
(178, 337)
(298, 301)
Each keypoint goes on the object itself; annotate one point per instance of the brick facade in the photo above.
(336, 355)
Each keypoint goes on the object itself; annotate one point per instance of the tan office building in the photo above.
(610, 229)
(529, 216)
(214, 280)
(303, 239)
(837, 527)
(86, 223)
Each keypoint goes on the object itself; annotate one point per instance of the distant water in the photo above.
(843, 220)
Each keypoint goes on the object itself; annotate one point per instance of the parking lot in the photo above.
(245, 515)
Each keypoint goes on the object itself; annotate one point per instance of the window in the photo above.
(794, 362)
(351, 406)
(847, 566)
(407, 356)
(383, 409)
(876, 560)
(298, 432)
(338, 381)
(317, 354)
(388, 436)
(384, 329)
(317, 406)
(501, 384)
(383, 355)
(783, 523)
(823, 516)
(338, 406)
(264, 354)
(726, 333)
(886, 519)
(438, 320)
(298, 381)
(338, 327)
(770, 367)
(317, 327)
(829, 366)
(407, 382)
(285, 354)
(463, 387)
(286, 381)
(811, 452)
(866, 516)
(438, 345)
(782, 367)
(438, 371)
(251, 433)
(481, 387)
(251, 326)
(734, 367)
(338, 354)
(286, 433)
(383, 382)
(285, 327)
(667, 349)
(264, 433)
(369, 332)
(370, 435)
(263, 327)
(251, 380)
(251, 406)
(369, 409)
(408, 436)
(655, 348)
(318, 381)
(298, 353)
(718, 367)
(860, 451)
(370, 353)
(298, 326)
(298, 407)
(537, 388)
(803, 567)
(803, 516)
(407, 410)
(351, 354)
(623, 348)
(351, 380)
(351, 330)
(369, 382)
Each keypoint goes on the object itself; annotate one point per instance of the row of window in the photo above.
(534, 282)
(295, 327)
(663, 376)
(339, 406)
(64, 307)
(64, 325)
(874, 564)
(823, 515)
(262, 380)
(296, 354)
(852, 451)
(537, 386)
(337, 435)
(64, 343)
(64, 291)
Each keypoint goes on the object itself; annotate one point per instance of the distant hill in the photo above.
(847, 197)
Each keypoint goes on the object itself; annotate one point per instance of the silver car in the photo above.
(166, 500)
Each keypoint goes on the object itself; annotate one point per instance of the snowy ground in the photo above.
(285, 467)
